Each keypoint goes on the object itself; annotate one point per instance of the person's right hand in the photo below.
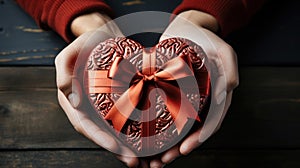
(69, 92)
(221, 59)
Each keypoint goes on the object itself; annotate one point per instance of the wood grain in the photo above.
(63, 158)
(199, 158)
(260, 129)
(264, 112)
(33, 119)
(17, 78)
(30, 116)
(239, 158)
(22, 42)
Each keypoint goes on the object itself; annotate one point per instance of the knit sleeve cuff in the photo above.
(61, 13)
(230, 14)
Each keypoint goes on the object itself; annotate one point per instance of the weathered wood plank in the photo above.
(199, 158)
(14, 78)
(22, 42)
(239, 158)
(82, 158)
(33, 119)
(264, 112)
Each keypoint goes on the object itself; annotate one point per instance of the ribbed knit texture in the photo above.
(230, 14)
(58, 14)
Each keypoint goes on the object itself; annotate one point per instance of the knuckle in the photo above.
(57, 59)
(65, 88)
(131, 163)
(233, 83)
(64, 85)
(217, 128)
(227, 50)
(77, 128)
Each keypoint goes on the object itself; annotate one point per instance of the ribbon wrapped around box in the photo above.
(151, 98)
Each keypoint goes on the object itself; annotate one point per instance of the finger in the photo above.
(156, 163)
(71, 60)
(227, 63)
(93, 132)
(144, 163)
(69, 110)
(75, 54)
(215, 114)
(209, 128)
(218, 81)
(190, 143)
(128, 157)
(65, 62)
(217, 73)
(170, 155)
(129, 161)
(75, 96)
(227, 104)
(229, 60)
(99, 136)
(85, 126)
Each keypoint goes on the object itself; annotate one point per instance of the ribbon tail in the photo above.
(180, 107)
(124, 106)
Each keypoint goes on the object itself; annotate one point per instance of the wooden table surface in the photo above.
(261, 128)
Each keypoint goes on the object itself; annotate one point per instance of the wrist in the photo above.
(201, 19)
(88, 22)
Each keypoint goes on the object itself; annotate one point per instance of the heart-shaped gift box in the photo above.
(149, 98)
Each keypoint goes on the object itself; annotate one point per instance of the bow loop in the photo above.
(122, 70)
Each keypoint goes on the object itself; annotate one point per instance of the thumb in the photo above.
(75, 96)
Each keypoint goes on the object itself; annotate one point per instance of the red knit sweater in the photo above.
(58, 14)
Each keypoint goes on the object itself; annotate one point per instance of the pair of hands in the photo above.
(218, 52)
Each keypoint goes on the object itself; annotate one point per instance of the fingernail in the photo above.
(221, 97)
(74, 99)
(75, 96)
